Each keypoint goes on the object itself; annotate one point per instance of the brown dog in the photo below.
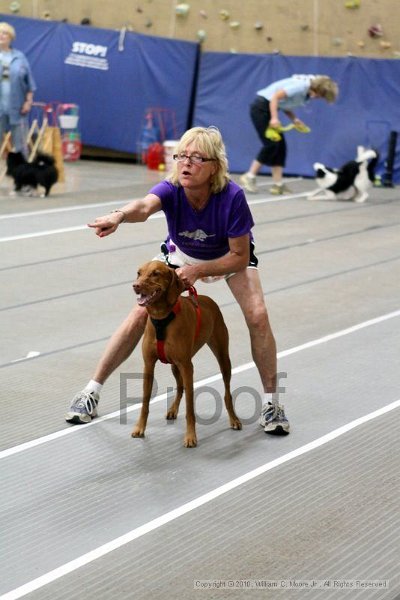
(186, 324)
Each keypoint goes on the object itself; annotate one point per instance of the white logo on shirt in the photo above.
(197, 235)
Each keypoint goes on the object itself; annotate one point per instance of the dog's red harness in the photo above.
(160, 325)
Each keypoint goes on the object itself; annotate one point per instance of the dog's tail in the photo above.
(366, 155)
(371, 156)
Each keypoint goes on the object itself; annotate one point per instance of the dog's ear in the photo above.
(175, 288)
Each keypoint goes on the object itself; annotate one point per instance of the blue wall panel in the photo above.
(367, 109)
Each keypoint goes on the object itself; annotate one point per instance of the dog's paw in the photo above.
(236, 424)
(361, 198)
(190, 441)
(171, 415)
(137, 432)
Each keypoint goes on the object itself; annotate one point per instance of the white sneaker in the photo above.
(248, 181)
(273, 419)
(83, 408)
(279, 188)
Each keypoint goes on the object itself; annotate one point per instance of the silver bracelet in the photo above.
(122, 212)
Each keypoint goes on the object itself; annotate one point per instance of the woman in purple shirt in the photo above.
(209, 237)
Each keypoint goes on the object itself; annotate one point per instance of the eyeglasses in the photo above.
(194, 159)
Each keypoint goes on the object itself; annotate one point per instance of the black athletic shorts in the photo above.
(272, 153)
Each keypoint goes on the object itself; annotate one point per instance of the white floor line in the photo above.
(50, 211)
(26, 236)
(245, 367)
(178, 512)
(278, 198)
(260, 182)
(74, 207)
(160, 215)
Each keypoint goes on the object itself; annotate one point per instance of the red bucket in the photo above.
(155, 156)
(71, 149)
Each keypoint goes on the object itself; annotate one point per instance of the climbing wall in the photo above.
(367, 28)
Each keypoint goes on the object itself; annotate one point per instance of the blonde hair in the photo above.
(325, 87)
(7, 28)
(208, 141)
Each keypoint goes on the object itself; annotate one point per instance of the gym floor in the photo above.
(89, 513)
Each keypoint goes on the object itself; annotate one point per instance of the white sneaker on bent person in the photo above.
(248, 181)
(278, 189)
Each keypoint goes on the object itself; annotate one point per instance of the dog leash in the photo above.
(160, 325)
(193, 296)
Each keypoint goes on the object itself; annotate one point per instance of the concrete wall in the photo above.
(292, 27)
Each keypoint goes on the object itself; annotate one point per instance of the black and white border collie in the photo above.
(351, 182)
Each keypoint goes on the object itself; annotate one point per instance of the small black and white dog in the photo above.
(41, 171)
(350, 182)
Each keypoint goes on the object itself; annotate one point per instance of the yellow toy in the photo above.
(274, 134)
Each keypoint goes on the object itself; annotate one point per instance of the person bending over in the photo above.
(284, 95)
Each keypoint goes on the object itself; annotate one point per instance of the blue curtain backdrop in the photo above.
(115, 78)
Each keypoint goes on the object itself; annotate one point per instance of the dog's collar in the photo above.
(160, 325)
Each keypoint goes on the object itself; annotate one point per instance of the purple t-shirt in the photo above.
(204, 234)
